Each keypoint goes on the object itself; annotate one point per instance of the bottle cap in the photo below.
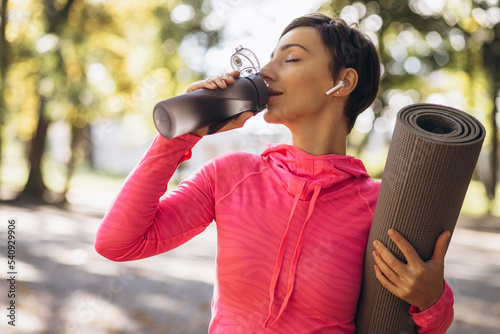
(245, 61)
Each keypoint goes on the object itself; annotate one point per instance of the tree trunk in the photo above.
(81, 150)
(492, 65)
(494, 153)
(35, 188)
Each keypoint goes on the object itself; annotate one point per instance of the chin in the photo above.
(271, 117)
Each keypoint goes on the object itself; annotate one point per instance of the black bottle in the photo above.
(205, 107)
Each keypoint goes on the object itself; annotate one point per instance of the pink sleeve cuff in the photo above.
(190, 140)
(438, 317)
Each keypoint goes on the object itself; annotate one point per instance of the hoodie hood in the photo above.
(292, 165)
(304, 176)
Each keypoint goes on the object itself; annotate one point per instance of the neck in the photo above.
(317, 139)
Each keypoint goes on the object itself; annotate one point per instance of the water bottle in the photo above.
(214, 108)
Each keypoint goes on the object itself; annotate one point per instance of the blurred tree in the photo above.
(4, 65)
(147, 46)
(437, 51)
(77, 61)
(51, 69)
(491, 51)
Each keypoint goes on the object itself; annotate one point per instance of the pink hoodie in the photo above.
(292, 230)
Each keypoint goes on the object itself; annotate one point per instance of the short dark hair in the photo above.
(349, 48)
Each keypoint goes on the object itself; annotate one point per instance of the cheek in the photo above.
(310, 90)
(312, 80)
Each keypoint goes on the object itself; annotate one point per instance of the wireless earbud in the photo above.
(341, 84)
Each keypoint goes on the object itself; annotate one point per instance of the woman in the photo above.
(293, 222)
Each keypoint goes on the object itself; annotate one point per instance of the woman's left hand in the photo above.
(419, 283)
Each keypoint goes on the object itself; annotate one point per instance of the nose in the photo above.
(267, 73)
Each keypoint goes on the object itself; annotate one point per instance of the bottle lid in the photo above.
(245, 61)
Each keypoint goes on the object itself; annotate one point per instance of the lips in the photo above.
(273, 93)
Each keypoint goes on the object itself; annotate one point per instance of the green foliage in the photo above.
(432, 51)
(94, 59)
(96, 62)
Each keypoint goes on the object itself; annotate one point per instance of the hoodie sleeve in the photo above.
(437, 318)
(144, 221)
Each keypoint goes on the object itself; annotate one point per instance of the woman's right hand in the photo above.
(220, 81)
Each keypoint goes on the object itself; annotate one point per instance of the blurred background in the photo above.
(78, 83)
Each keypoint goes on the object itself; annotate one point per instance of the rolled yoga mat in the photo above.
(432, 155)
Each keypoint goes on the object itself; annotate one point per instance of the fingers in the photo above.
(234, 123)
(406, 248)
(219, 81)
(440, 247)
(386, 283)
(195, 86)
(385, 259)
(237, 122)
(235, 74)
(388, 275)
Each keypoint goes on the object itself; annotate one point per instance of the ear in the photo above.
(350, 78)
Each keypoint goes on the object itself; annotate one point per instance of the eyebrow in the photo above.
(287, 46)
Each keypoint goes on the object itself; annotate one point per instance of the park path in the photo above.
(65, 287)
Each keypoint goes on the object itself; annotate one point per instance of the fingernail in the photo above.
(392, 233)
(376, 243)
(374, 253)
